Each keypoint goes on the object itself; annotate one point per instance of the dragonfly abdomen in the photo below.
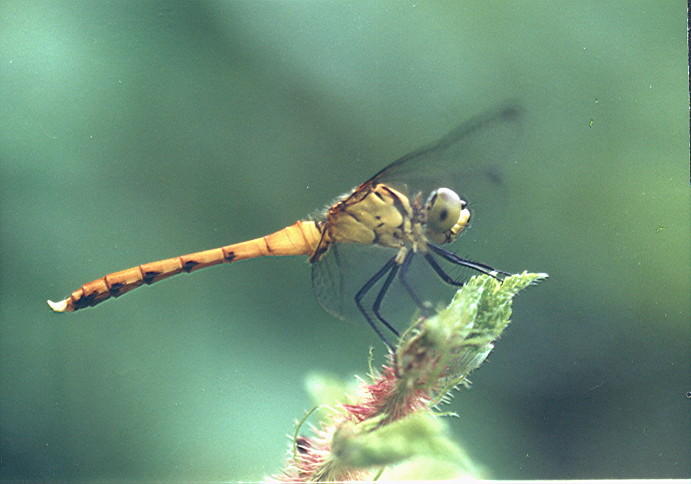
(301, 238)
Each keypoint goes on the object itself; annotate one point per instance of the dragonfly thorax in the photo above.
(446, 216)
(374, 215)
(381, 215)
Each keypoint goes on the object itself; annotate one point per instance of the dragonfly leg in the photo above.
(380, 298)
(391, 267)
(454, 259)
(404, 281)
(443, 275)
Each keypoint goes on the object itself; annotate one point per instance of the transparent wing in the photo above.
(477, 148)
(472, 160)
(340, 274)
(346, 268)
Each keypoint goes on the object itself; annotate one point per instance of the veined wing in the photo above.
(346, 268)
(343, 270)
(477, 148)
(468, 160)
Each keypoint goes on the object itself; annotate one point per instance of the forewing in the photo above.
(472, 159)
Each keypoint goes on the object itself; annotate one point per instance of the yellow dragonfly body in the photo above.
(387, 211)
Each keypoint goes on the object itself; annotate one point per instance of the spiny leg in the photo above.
(380, 298)
(454, 259)
(441, 272)
(402, 276)
(390, 266)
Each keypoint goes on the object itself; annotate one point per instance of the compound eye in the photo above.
(444, 210)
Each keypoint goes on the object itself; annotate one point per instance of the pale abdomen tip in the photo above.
(60, 306)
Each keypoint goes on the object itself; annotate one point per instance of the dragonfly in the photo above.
(409, 209)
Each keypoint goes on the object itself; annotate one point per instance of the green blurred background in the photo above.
(139, 130)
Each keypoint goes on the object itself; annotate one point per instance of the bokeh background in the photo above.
(138, 130)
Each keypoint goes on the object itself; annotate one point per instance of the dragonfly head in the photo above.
(447, 216)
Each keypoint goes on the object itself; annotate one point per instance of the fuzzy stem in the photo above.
(390, 420)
